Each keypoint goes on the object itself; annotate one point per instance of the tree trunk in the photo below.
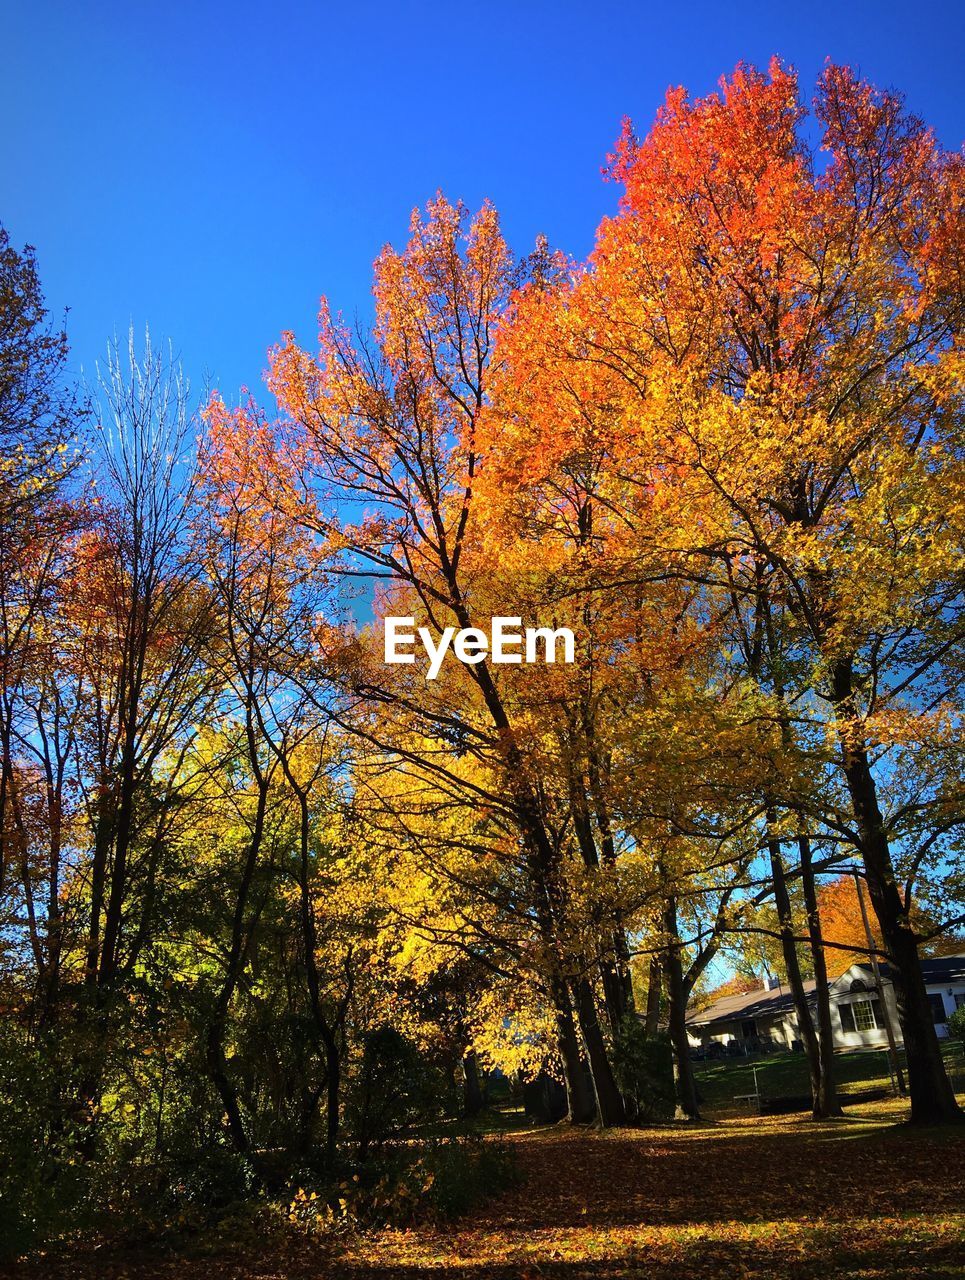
(789, 949)
(932, 1098)
(580, 1103)
(617, 995)
(218, 1071)
(609, 1101)
(333, 1083)
(827, 1103)
(654, 984)
(685, 1084)
(240, 932)
(472, 1095)
(614, 961)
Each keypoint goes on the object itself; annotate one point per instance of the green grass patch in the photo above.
(781, 1075)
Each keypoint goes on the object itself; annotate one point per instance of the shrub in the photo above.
(643, 1066)
(956, 1024)
(41, 1180)
(404, 1184)
(396, 1089)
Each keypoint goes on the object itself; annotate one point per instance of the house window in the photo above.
(937, 1008)
(864, 1014)
(959, 999)
(861, 1015)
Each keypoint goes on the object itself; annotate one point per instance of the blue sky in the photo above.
(211, 169)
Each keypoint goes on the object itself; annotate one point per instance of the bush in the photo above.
(397, 1089)
(434, 1181)
(41, 1181)
(211, 1179)
(956, 1024)
(643, 1066)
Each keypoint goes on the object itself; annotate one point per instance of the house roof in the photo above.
(944, 968)
(750, 1004)
(937, 971)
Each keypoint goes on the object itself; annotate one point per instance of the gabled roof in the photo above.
(936, 970)
(750, 1004)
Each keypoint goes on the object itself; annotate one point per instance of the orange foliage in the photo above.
(738, 985)
(842, 925)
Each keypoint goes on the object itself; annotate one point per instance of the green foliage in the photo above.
(405, 1184)
(956, 1024)
(643, 1067)
(397, 1089)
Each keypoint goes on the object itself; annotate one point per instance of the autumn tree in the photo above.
(393, 425)
(765, 344)
(39, 417)
(140, 615)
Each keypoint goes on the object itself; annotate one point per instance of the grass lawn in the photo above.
(786, 1075)
(770, 1199)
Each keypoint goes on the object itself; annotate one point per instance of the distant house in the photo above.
(766, 1018)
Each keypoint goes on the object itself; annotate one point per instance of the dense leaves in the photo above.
(276, 913)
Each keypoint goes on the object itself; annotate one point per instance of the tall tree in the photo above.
(768, 347)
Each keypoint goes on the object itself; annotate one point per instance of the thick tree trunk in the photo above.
(654, 984)
(688, 1107)
(609, 1101)
(580, 1102)
(932, 1098)
(472, 1094)
(826, 1102)
(615, 976)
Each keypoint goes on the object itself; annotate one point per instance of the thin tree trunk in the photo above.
(328, 1034)
(792, 966)
(614, 963)
(217, 1026)
(688, 1107)
(826, 1102)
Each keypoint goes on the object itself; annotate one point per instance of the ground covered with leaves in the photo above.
(862, 1197)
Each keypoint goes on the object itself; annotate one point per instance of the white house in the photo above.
(766, 1018)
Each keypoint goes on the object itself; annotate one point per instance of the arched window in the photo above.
(858, 985)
